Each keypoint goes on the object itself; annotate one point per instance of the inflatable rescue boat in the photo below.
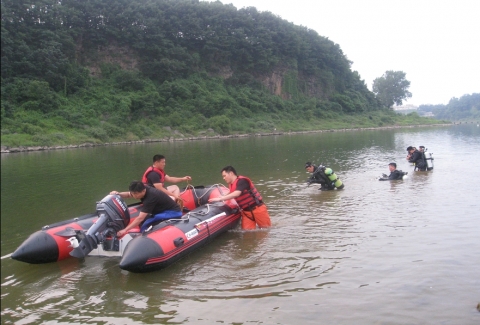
(159, 246)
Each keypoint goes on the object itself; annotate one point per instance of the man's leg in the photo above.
(173, 189)
(248, 220)
(262, 217)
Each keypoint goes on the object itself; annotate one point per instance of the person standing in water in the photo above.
(394, 173)
(254, 211)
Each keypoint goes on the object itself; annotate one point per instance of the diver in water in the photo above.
(409, 155)
(394, 173)
(324, 176)
(428, 157)
(417, 158)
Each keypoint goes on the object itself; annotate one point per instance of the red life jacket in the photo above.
(249, 198)
(156, 170)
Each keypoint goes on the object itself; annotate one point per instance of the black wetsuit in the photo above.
(396, 174)
(418, 158)
(319, 177)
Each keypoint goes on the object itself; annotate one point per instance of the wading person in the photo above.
(394, 173)
(324, 176)
(409, 155)
(254, 211)
(417, 158)
(157, 206)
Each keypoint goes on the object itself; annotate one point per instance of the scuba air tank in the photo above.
(429, 159)
(333, 178)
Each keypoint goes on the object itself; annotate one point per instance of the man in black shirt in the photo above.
(156, 206)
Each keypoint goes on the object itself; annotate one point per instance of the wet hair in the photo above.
(410, 148)
(158, 157)
(136, 187)
(393, 164)
(229, 169)
(308, 164)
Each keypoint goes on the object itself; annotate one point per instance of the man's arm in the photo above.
(138, 220)
(229, 196)
(123, 195)
(414, 157)
(312, 180)
(240, 187)
(172, 179)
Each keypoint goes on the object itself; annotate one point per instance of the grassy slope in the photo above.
(51, 132)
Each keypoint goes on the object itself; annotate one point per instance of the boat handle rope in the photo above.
(219, 186)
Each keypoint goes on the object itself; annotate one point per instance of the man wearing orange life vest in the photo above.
(155, 176)
(254, 211)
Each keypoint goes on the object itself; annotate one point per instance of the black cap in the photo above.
(410, 148)
(308, 164)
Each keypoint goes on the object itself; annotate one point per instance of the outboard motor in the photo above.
(113, 215)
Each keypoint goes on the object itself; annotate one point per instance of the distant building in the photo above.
(428, 114)
(405, 109)
(409, 107)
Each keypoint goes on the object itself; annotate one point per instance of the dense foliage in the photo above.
(103, 70)
(466, 107)
(392, 88)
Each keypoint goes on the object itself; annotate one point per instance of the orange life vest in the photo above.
(155, 170)
(249, 198)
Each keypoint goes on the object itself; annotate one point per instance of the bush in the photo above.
(98, 133)
(141, 131)
(31, 129)
(113, 131)
(59, 136)
(386, 120)
(187, 128)
(42, 140)
(220, 123)
(128, 80)
(264, 126)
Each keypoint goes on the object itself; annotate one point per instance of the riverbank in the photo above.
(6, 149)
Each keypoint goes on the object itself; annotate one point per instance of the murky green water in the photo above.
(375, 253)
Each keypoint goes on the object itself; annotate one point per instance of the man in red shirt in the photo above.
(254, 211)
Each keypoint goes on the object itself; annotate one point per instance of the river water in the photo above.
(405, 252)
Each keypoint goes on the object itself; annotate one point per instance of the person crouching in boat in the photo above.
(156, 206)
(324, 176)
(394, 173)
(254, 211)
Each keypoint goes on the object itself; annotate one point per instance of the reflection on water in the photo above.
(404, 252)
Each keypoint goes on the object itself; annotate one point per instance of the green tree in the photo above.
(466, 107)
(392, 88)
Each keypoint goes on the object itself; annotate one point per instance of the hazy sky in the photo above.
(436, 43)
